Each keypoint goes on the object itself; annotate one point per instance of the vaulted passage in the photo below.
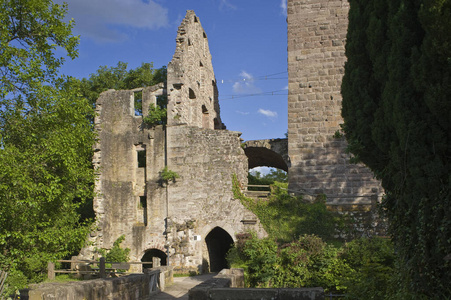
(268, 153)
(152, 256)
(219, 243)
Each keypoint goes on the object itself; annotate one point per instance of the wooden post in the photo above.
(51, 270)
(102, 267)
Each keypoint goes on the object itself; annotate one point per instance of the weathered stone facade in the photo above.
(191, 80)
(191, 221)
(316, 57)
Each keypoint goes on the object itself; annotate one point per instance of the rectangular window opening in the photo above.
(138, 101)
(141, 158)
(143, 205)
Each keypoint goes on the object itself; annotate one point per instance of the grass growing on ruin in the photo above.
(286, 217)
(302, 250)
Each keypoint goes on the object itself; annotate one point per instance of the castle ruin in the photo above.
(194, 220)
(190, 223)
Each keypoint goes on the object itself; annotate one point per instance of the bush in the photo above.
(373, 261)
(116, 254)
(167, 175)
(156, 116)
(286, 217)
(306, 262)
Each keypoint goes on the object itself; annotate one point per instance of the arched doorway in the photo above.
(152, 256)
(218, 243)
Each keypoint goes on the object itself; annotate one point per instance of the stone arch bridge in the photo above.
(267, 153)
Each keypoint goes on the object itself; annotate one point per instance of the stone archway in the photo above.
(267, 153)
(218, 243)
(153, 256)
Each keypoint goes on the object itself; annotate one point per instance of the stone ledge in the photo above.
(228, 284)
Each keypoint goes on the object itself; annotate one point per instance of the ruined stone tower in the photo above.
(189, 223)
(316, 57)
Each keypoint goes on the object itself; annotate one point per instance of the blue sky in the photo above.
(247, 39)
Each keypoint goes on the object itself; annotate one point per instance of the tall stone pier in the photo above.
(316, 57)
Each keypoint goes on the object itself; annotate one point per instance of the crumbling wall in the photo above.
(316, 57)
(193, 94)
(128, 199)
(202, 198)
(132, 198)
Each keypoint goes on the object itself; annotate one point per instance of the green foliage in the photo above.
(156, 116)
(274, 175)
(46, 175)
(295, 255)
(373, 262)
(286, 217)
(116, 253)
(167, 175)
(305, 262)
(359, 269)
(119, 78)
(31, 34)
(396, 109)
(338, 134)
(46, 178)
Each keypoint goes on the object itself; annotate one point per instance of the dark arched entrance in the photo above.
(149, 257)
(219, 243)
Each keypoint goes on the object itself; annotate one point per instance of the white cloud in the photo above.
(244, 113)
(246, 75)
(268, 113)
(94, 18)
(226, 4)
(283, 6)
(246, 85)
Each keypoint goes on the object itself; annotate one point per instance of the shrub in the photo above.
(167, 175)
(116, 254)
(156, 116)
(372, 260)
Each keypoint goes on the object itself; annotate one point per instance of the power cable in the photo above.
(271, 93)
(256, 78)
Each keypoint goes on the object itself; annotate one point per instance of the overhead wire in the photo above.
(256, 78)
(270, 93)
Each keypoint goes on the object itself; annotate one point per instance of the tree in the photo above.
(255, 177)
(46, 175)
(397, 120)
(30, 33)
(119, 78)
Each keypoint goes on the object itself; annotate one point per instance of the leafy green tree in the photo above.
(119, 78)
(256, 177)
(397, 114)
(31, 32)
(46, 141)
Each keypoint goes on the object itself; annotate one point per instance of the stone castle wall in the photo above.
(316, 57)
(173, 218)
(191, 81)
(202, 198)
